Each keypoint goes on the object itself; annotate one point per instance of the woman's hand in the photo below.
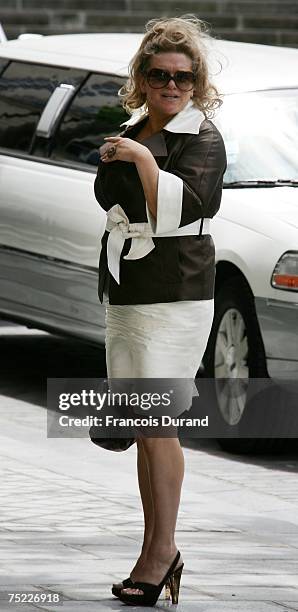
(125, 149)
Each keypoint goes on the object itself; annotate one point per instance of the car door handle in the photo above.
(54, 109)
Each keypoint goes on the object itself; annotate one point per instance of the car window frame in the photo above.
(28, 155)
(91, 73)
(45, 159)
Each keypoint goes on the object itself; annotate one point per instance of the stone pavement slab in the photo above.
(71, 523)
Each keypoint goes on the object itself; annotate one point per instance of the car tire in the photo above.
(234, 296)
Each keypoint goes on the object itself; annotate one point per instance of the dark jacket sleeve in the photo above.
(193, 188)
(203, 165)
(100, 193)
(119, 183)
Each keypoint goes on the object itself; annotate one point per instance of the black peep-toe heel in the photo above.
(151, 592)
(129, 584)
(125, 584)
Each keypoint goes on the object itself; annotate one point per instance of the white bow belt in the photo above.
(120, 229)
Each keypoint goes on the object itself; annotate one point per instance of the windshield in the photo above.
(260, 131)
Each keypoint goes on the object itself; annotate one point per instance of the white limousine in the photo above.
(58, 99)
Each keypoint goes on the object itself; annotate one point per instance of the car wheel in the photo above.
(235, 350)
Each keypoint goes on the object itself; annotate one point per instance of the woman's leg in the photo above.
(166, 470)
(147, 503)
(146, 496)
(120, 365)
(148, 510)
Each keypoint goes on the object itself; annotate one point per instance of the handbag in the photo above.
(116, 444)
(113, 444)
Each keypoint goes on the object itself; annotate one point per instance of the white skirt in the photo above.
(163, 340)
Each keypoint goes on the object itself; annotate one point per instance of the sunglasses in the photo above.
(158, 78)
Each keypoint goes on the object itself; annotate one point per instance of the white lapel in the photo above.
(187, 121)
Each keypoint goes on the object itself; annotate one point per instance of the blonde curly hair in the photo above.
(186, 34)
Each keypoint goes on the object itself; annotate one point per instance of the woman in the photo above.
(162, 176)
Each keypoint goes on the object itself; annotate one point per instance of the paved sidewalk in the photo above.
(71, 523)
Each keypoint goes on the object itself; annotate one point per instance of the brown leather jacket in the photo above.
(179, 267)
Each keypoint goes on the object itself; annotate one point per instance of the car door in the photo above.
(75, 220)
(25, 89)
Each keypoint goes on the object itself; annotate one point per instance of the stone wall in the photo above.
(262, 21)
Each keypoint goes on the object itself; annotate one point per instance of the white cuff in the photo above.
(169, 203)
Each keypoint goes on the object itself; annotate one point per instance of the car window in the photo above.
(260, 130)
(24, 91)
(95, 112)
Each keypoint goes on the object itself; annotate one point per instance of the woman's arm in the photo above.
(148, 172)
(191, 190)
(131, 151)
(179, 197)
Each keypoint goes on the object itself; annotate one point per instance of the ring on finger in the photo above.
(111, 151)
